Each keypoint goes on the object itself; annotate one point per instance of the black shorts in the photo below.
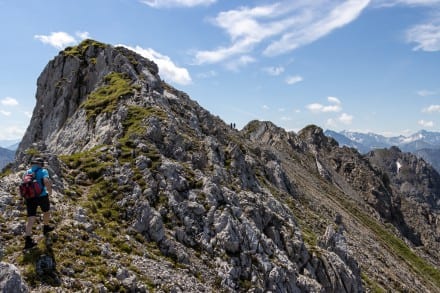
(33, 203)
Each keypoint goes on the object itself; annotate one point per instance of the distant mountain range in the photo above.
(6, 156)
(10, 144)
(7, 151)
(424, 144)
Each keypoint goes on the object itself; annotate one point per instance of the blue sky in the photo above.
(368, 66)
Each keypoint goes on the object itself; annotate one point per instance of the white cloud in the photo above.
(274, 71)
(285, 118)
(61, 40)
(58, 40)
(177, 3)
(207, 74)
(5, 113)
(293, 79)
(321, 25)
(425, 93)
(431, 109)
(426, 123)
(320, 108)
(334, 100)
(265, 107)
(345, 118)
(283, 26)
(8, 101)
(83, 35)
(12, 132)
(390, 3)
(167, 68)
(235, 65)
(426, 36)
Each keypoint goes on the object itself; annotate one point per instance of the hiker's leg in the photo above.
(46, 218)
(29, 225)
(45, 207)
(31, 207)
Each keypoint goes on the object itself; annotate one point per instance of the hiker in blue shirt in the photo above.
(42, 176)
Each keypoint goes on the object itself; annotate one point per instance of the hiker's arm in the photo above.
(48, 185)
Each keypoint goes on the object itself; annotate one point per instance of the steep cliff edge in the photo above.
(153, 193)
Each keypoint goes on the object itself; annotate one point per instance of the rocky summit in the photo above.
(154, 194)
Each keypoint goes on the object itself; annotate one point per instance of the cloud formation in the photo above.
(426, 123)
(177, 3)
(432, 109)
(425, 93)
(345, 118)
(12, 132)
(168, 69)
(390, 3)
(426, 36)
(8, 101)
(293, 79)
(274, 71)
(236, 64)
(61, 40)
(5, 113)
(280, 27)
(335, 106)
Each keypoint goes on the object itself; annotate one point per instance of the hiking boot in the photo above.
(29, 242)
(47, 229)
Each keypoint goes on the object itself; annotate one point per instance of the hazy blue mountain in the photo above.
(345, 141)
(430, 155)
(365, 142)
(424, 144)
(6, 156)
(13, 147)
(10, 144)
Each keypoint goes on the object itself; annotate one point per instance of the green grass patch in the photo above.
(133, 123)
(420, 266)
(80, 49)
(134, 128)
(88, 162)
(7, 170)
(373, 286)
(32, 152)
(105, 98)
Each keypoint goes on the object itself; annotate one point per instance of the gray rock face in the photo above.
(156, 193)
(11, 280)
(64, 85)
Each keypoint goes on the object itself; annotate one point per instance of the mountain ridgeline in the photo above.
(155, 194)
(423, 144)
(6, 157)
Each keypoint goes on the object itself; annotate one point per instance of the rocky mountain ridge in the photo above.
(424, 144)
(422, 139)
(153, 193)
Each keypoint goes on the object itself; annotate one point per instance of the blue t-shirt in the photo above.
(39, 174)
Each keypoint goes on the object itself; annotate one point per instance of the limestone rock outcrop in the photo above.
(11, 280)
(152, 192)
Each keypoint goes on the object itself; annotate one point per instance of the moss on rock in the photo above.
(105, 98)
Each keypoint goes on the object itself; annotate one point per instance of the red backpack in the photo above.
(29, 186)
